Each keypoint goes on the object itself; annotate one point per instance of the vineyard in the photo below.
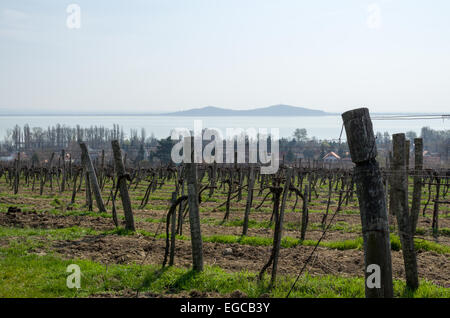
(212, 230)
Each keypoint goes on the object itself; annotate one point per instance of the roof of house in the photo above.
(331, 154)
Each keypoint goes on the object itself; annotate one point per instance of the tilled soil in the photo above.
(46, 220)
(35, 219)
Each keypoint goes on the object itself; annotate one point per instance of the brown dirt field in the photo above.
(47, 220)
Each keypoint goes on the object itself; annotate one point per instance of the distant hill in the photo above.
(275, 110)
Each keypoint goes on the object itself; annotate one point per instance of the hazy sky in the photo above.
(163, 55)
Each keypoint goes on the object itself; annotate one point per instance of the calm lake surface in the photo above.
(323, 127)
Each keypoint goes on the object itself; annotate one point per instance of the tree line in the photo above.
(57, 137)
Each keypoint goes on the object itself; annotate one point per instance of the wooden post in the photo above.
(372, 203)
(401, 210)
(17, 174)
(181, 208)
(88, 190)
(85, 175)
(251, 183)
(435, 224)
(92, 177)
(417, 191)
(102, 170)
(173, 230)
(74, 189)
(43, 175)
(230, 191)
(122, 184)
(305, 212)
(330, 188)
(63, 182)
(391, 212)
(279, 227)
(50, 169)
(386, 182)
(213, 178)
(194, 215)
(407, 148)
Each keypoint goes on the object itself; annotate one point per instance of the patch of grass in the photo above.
(45, 276)
(159, 198)
(153, 220)
(69, 233)
(208, 199)
(338, 226)
(420, 231)
(420, 245)
(83, 213)
(55, 202)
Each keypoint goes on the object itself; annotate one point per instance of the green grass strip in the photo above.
(29, 275)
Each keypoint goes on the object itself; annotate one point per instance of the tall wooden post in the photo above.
(386, 182)
(181, 208)
(17, 174)
(279, 227)
(92, 177)
(194, 215)
(407, 148)
(401, 209)
(173, 230)
(372, 203)
(251, 183)
(74, 187)
(391, 212)
(417, 191)
(122, 184)
(102, 169)
(63, 182)
(85, 175)
(50, 169)
(88, 190)
(305, 213)
(213, 178)
(435, 224)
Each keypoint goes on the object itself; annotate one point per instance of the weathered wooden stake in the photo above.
(194, 215)
(63, 182)
(417, 190)
(251, 183)
(88, 190)
(92, 177)
(122, 184)
(279, 227)
(401, 209)
(74, 189)
(435, 224)
(173, 230)
(17, 174)
(372, 203)
(305, 213)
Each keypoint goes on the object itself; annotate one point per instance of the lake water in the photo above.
(323, 127)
